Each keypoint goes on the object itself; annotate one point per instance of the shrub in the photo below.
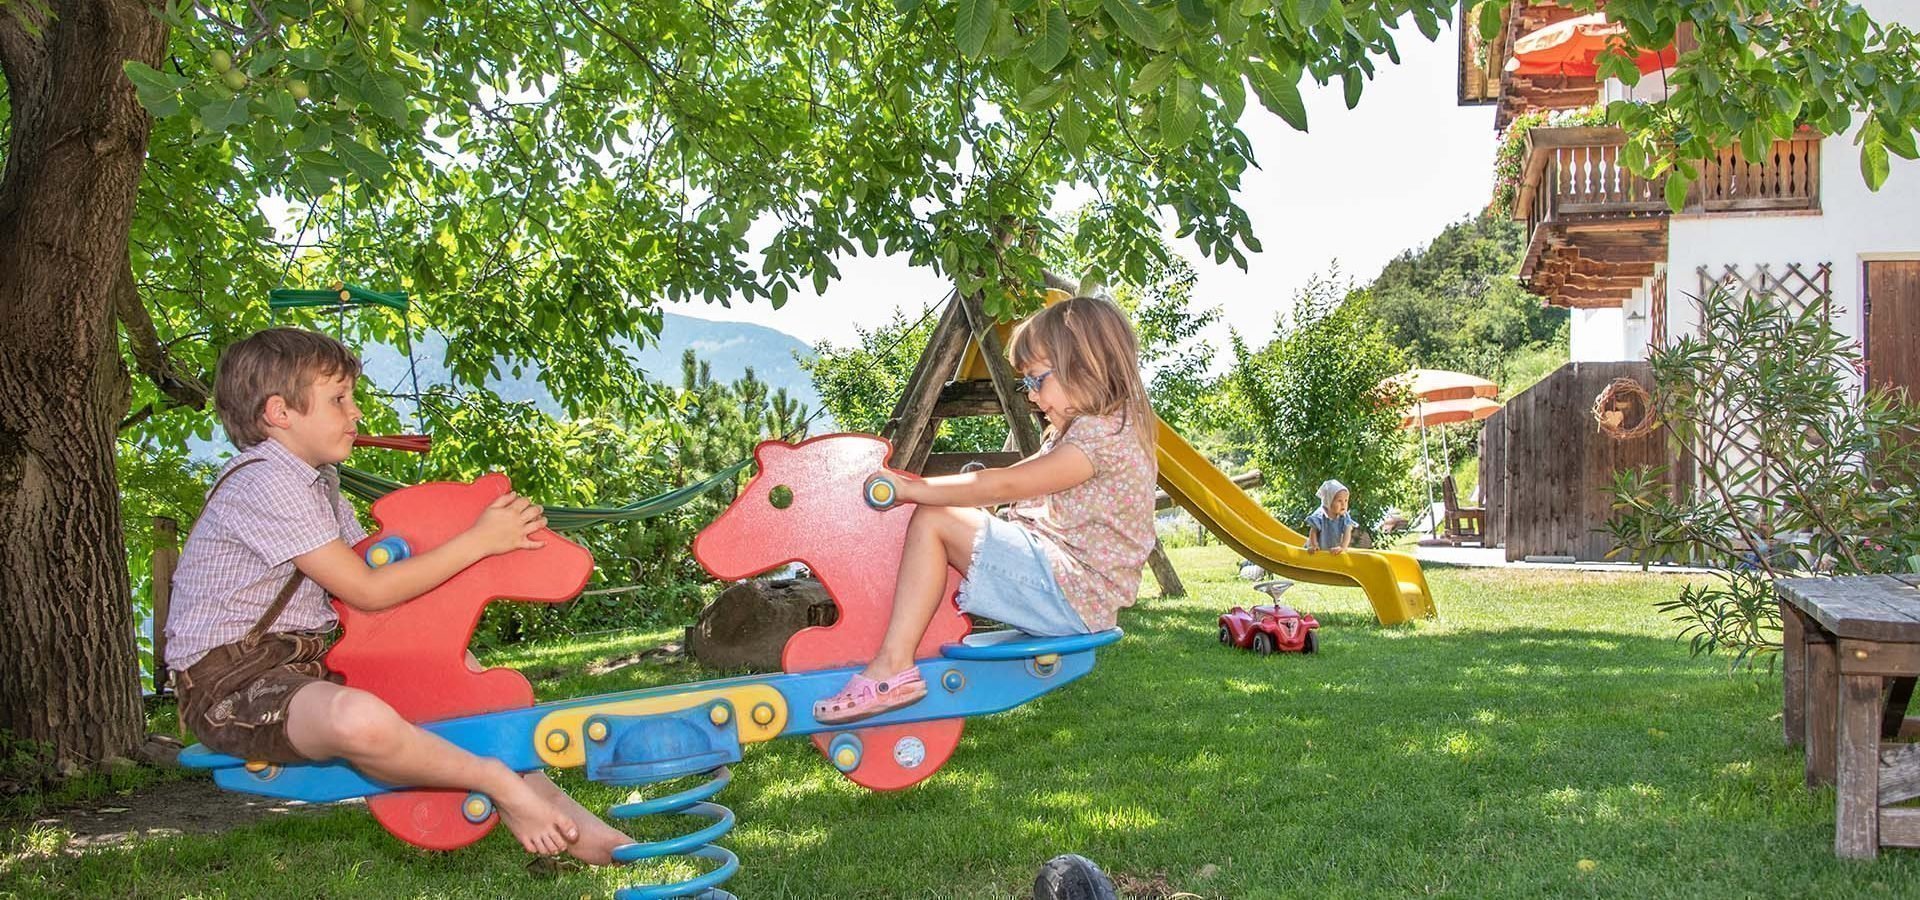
(1312, 400)
(1799, 471)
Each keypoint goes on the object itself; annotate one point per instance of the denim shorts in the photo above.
(1011, 581)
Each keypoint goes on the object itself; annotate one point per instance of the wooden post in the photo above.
(166, 556)
(1822, 692)
(1164, 573)
(912, 426)
(1856, 819)
(1793, 675)
(1005, 384)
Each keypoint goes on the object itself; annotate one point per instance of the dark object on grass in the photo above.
(1072, 877)
(749, 623)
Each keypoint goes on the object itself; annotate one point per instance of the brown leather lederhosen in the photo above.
(235, 698)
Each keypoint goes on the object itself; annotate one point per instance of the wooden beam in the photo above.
(950, 463)
(1899, 772)
(973, 398)
(1900, 828)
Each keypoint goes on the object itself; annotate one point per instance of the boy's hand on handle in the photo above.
(508, 524)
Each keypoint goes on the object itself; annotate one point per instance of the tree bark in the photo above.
(68, 673)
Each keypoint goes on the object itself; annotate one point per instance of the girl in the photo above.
(1067, 554)
(1330, 528)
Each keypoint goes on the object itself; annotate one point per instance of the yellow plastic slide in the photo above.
(1393, 581)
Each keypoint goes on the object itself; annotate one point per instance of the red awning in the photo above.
(1573, 47)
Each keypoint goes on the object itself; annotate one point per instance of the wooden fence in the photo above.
(1545, 467)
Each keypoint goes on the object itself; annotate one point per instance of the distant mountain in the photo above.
(729, 347)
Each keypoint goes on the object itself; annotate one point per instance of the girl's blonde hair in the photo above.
(1090, 345)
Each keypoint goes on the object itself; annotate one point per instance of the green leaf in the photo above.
(1311, 12)
(1196, 13)
(1151, 76)
(1424, 18)
(1180, 112)
(1676, 189)
(905, 8)
(1899, 139)
(1136, 23)
(1074, 128)
(159, 91)
(1351, 83)
(1233, 96)
(1488, 17)
(972, 25)
(279, 104)
(1873, 162)
(1279, 93)
(1043, 95)
(368, 164)
(1049, 47)
(224, 113)
(389, 98)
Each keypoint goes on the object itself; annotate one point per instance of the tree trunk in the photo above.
(68, 673)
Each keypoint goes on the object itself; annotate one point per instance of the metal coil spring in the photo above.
(696, 844)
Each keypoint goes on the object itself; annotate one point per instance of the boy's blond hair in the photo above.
(283, 361)
(1091, 347)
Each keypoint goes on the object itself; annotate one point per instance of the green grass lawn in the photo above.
(1546, 738)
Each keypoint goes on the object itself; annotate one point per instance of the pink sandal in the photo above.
(864, 698)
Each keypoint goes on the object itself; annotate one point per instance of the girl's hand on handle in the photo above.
(885, 490)
(508, 524)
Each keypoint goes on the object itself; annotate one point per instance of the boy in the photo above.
(250, 621)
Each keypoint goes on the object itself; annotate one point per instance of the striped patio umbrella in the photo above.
(1572, 47)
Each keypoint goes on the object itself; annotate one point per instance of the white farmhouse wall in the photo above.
(1855, 225)
(1595, 335)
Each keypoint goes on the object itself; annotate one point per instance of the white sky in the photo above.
(1358, 188)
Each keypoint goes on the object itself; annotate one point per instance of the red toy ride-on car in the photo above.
(1267, 629)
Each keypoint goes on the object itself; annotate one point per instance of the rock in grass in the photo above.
(748, 624)
(1072, 877)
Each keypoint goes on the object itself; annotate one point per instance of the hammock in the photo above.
(368, 486)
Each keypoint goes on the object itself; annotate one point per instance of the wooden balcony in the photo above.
(1482, 77)
(1595, 231)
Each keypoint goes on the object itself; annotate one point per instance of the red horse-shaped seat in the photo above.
(414, 656)
(806, 504)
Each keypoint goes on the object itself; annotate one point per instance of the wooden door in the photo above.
(1893, 324)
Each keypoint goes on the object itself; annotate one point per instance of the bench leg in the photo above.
(1899, 694)
(1856, 820)
(1793, 675)
(1822, 693)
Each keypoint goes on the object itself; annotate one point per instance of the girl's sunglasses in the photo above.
(1031, 383)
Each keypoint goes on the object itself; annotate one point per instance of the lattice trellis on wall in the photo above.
(1803, 286)
(1657, 312)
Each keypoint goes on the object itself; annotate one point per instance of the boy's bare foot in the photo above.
(597, 838)
(539, 825)
(597, 841)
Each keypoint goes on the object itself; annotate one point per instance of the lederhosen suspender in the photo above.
(281, 599)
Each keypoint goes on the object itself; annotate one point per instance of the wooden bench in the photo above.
(1463, 523)
(1851, 652)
